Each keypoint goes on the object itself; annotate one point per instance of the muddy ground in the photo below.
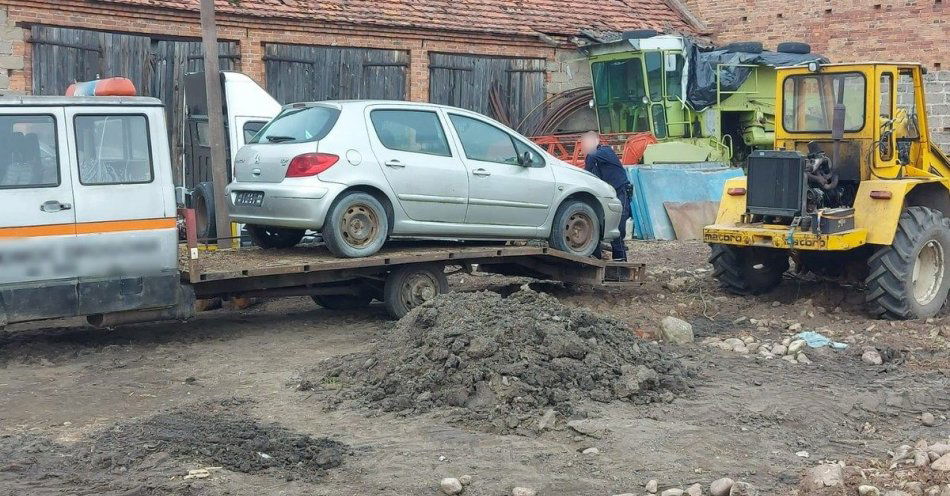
(133, 410)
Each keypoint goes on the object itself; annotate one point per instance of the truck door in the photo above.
(37, 221)
(125, 208)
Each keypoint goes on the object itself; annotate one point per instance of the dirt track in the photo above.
(745, 418)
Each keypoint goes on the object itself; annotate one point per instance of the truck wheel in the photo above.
(274, 237)
(746, 271)
(576, 229)
(412, 285)
(202, 200)
(908, 279)
(342, 302)
(356, 226)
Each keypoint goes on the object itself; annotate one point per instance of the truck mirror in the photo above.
(837, 122)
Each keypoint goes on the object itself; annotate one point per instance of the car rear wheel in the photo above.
(910, 278)
(275, 237)
(412, 285)
(356, 226)
(576, 229)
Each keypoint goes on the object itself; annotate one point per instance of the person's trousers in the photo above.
(618, 246)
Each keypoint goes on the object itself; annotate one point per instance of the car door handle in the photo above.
(395, 164)
(55, 206)
(481, 172)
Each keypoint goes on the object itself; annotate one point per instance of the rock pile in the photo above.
(507, 365)
(789, 349)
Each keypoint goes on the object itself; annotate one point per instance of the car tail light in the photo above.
(881, 195)
(736, 191)
(310, 164)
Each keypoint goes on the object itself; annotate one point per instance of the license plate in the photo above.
(249, 198)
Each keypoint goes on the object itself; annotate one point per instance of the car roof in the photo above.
(366, 103)
(83, 101)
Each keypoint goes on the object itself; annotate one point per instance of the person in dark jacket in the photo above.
(604, 163)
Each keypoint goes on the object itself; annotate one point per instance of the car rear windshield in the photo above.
(298, 125)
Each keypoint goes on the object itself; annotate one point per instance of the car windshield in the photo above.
(298, 125)
(808, 101)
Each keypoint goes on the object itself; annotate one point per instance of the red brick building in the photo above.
(848, 31)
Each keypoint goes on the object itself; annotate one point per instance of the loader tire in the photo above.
(747, 271)
(909, 279)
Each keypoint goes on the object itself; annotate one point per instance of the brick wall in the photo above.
(849, 31)
(251, 35)
(11, 56)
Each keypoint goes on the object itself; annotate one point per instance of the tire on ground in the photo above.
(908, 279)
(576, 229)
(744, 47)
(412, 285)
(747, 271)
(342, 302)
(202, 200)
(274, 237)
(356, 225)
(793, 47)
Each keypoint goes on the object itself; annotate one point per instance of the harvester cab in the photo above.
(853, 189)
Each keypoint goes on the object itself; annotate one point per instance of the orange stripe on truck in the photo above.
(88, 228)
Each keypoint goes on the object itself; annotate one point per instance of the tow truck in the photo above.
(91, 227)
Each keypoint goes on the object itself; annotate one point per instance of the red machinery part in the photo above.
(116, 86)
(567, 147)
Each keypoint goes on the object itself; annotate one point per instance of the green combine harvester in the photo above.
(703, 104)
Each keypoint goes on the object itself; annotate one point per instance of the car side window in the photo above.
(482, 141)
(416, 131)
(29, 154)
(113, 149)
(535, 159)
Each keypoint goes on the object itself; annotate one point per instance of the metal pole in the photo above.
(219, 171)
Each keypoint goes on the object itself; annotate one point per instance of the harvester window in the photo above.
(674, 76)
(620, 91)
(808, 101)
(113, 149)
(654, 62)
(29, 157)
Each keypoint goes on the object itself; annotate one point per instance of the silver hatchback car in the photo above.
(361, 172)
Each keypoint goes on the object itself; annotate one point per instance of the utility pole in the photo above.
(219, 162)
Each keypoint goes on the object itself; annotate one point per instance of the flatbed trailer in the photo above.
(402, 275)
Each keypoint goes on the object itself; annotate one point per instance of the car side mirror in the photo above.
(526, 160)
(837, 122)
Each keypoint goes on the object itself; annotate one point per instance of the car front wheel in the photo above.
(576, 229)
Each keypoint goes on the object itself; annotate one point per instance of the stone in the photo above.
(547, 421)
(802, 358)
(523, 491)
(896, 493)
(742, 350)
(868, 490)
(779, 349)
(795, 327)
(942, 464)
(450, 485)
(672, 492)
(466, 480)
(939, 448)
(591, 451)
(743, 489)
(796, 346)
(821, 476)
(920, 458)
(651, 486)
(789, 359)
(872, 357)
(928, 419)
(677, 284)
(695, 490)
(721, 487)
(915, 488)
(733, 342)
(676, 331)
(587, 428)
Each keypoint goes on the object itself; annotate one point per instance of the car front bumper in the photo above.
(291, 205)
(613, 212)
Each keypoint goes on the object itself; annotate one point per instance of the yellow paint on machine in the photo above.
(87, 228)
(778, 238)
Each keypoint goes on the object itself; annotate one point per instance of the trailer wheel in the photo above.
(356, 225)
(275, 237)
(746, 271)
(342, 302)
(412, 285)
(909, 279)
(576, 229)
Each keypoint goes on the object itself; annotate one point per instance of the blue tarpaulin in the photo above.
(654, 185)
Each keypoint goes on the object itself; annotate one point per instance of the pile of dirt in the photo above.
(503, 362)
(155, 454)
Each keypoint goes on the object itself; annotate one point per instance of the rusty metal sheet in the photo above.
(690, 218)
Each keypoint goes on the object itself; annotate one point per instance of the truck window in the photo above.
(29, 157)
(808, 101)
(113, 149)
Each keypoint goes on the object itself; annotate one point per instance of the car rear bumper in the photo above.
(285, 205)
(781, 237)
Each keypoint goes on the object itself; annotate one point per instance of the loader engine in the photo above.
(787, 187)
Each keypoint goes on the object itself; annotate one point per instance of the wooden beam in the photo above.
(219, 171)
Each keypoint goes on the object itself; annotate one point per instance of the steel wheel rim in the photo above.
(579, 231)
(360, 225)
(928, 272)
(417, 289)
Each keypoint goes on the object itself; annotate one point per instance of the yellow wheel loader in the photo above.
(854, 189)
